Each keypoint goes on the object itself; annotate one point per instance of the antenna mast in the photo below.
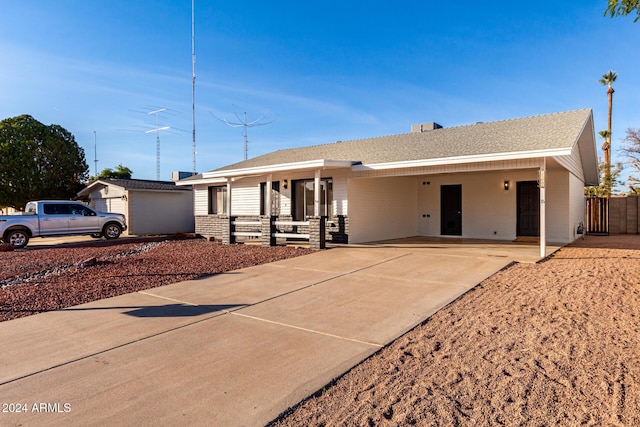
(157, 131)
(193, 83)
(245, 124)
(95, 153)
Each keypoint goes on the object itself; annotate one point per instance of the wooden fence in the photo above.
(613, 215)
(597, 215)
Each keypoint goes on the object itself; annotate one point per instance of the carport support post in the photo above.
(316, 194)
(268, 190)
(543, 217)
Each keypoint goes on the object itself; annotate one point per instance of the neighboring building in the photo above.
(486, 181)
(151, 207)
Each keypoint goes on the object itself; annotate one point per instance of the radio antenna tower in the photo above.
(193, 82)
(242, 122)
(157, 131)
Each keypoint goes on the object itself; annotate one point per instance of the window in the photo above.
(218, 199)
(81, 210)
(275, 198)
(303, 193)
(57, 209)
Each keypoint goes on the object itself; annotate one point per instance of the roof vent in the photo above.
(425, 127)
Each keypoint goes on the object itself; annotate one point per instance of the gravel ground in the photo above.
(38, 279)
(554, 343)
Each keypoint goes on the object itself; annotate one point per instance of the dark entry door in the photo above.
(528, 206)
(451, 210)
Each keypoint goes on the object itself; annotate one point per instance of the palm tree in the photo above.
(607, 80)
(606, 150)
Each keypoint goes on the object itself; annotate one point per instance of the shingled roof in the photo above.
(142, 184)
(536, 133)
(134, 184)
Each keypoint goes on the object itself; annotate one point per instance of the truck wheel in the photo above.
(112, 231)
(17, 238)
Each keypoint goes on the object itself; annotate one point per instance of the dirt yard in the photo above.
(554, 343)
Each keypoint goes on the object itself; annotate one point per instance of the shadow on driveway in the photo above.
(169, 310)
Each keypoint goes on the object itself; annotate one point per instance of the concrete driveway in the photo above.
(236, 348)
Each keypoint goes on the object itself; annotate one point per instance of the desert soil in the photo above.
(553, 343)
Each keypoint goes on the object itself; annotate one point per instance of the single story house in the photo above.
(495, 180)
(150, 207)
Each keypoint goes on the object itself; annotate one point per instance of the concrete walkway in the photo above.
(236, 348)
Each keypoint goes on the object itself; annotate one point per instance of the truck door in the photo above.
(83, 220)
(54, 219)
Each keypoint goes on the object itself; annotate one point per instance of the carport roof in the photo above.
(536, 136)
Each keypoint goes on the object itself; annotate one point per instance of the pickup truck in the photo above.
(46, 218)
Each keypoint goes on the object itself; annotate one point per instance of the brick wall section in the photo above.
(217, 226)
(267, 230)
(317, 233)
(337, 230)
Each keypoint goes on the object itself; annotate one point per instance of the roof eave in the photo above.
(465, 159)
(282, 167)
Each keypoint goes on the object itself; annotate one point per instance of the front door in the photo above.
(528, 206)
(451, 210)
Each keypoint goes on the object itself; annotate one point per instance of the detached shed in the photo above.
(151, 207)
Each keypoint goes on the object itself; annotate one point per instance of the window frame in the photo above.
(326, 198)
(212, 199)
(275, 198)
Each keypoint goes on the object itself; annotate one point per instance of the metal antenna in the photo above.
(157, 131)
(193, 82)
(242, 122)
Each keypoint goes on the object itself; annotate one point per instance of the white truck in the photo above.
(46, 218)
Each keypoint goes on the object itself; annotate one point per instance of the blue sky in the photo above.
(321, 71)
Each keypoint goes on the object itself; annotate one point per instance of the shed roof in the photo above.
(133, 184)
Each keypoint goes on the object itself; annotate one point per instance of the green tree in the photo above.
(632, 150)
(606, 183)
(623, 8)
(38, 162)
(121, 172)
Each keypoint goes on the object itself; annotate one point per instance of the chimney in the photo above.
(178, 175)
(425, 127)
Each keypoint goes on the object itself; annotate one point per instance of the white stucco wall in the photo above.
(576, 206)
(488, 211)
(382, 208)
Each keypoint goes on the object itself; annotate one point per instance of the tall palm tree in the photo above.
(607, 80)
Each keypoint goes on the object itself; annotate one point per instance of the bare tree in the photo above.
(631, 149)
